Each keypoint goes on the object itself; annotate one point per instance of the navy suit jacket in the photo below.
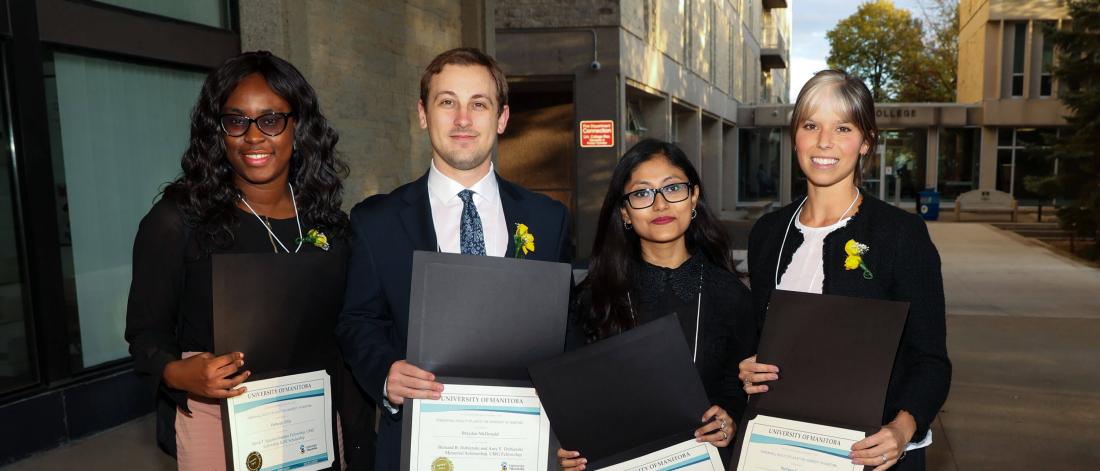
(373, 327)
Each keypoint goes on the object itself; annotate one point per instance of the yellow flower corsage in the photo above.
(315, 237)
(525, 241)
(855, 251)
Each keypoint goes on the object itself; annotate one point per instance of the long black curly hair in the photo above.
(617, 252)
(205, 192)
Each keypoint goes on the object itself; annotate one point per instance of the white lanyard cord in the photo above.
(779, 258)
(272, 233)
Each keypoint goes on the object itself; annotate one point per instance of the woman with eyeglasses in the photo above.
(840, 240)
(260, 174)
(658, 250)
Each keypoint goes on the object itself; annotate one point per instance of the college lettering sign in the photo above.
(905, 116)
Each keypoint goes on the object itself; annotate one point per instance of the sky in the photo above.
(810, 20)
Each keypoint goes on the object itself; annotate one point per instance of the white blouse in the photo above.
(806, 272)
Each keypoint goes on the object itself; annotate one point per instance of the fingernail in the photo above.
(584, 460)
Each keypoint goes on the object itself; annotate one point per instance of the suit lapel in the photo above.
(416, 217)
(514, 212)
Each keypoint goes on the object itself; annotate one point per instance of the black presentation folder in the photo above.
(485, 317)
(835, 355)
(279, 310)
(624, 396)
(484, 320)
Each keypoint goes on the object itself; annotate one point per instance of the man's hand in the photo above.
(406, 381)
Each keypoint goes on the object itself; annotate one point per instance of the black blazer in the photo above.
(373, 327)
(906, 267)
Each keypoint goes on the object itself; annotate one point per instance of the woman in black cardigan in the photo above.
(659, 250)
(841, 241)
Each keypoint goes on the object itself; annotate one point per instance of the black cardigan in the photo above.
(906, 267)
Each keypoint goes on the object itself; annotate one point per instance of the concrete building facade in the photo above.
(1007, 104)
(1005, 64)
(678, 70)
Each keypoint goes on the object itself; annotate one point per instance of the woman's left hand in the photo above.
(717, 429)
(883, 449)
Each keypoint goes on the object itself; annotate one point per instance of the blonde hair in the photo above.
(854, 100)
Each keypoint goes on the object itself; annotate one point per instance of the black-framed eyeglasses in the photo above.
(672, 193)
(271, 124)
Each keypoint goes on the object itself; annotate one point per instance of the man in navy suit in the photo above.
(460, 205)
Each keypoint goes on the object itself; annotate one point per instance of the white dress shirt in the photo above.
(447, 219)
(447, 212)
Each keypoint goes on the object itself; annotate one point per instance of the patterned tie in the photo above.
(471, 238)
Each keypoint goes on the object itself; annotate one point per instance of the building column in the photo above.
(786, 167)
(932, 158)
(731, 167)
(712, 161)
(987, 159)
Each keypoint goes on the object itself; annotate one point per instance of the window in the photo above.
(1022, 153)
(117, 132)
(1019, 36)
(958, 167)
(758, 172)
(1046, 61)
(16, 368)
(204, 12)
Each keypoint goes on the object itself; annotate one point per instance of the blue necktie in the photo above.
(471, 238)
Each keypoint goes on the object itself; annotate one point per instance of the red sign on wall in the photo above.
(598, 133)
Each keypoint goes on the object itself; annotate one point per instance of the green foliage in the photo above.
(1077, 148)
(889, 49)
(930, 75)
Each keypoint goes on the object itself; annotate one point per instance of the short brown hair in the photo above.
(857, 106)
(465, 56)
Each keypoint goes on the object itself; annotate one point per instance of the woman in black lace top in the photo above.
(659, 250)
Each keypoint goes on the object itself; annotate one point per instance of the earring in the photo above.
(694, 213)
(628, 226)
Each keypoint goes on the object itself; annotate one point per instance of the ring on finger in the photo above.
(724, 435)
(721, 424)
(884, 457)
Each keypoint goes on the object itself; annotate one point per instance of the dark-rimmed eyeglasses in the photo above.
(672, 193)
(271, 124)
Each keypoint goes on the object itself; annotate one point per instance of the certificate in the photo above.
(689, 455)
(779, 444)
(282, 423)
(480, 428)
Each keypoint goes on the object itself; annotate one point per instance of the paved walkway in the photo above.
(1023, 333)
(1024, 336)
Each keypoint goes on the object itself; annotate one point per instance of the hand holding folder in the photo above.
(807, 336)
(627, 397)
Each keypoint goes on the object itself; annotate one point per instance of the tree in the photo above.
(930, 75)
(1077, 147)
(874, 44)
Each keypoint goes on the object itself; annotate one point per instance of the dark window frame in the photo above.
(29, 31)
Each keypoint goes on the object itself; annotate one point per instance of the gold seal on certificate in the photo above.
(254, 461)
(442, 464)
